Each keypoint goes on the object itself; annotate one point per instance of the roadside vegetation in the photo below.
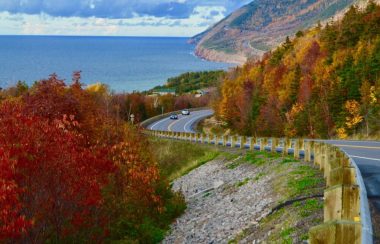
(193, 81)
(298, 188)
(73, 171)
(323, 83)
(177, 158)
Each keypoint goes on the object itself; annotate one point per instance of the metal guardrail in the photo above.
(346, 211)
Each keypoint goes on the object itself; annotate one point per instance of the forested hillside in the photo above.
(324, 83)
(192, 81)
(261, 25)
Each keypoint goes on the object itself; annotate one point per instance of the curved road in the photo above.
(365, 153)
(184, 123)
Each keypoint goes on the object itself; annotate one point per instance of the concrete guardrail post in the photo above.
(252, 143)
(243, 141)
(317, 153)
(233, 141)
(287, 145)
(263, 143)
(309, 146)
(322, 156)
(297, 145)
(329, 160)
(274, 144)
(302, 144)
(224, 141)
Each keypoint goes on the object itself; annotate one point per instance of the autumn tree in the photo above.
(47, 159)
(321, 71)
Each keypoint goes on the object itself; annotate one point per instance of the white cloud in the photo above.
(44, 24)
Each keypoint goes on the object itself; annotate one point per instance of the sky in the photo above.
(112, 17)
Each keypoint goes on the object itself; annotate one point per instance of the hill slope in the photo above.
(323, 83)
(261, 25)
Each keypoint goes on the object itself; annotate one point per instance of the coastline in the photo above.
(217, 56)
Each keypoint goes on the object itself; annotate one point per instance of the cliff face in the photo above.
(261, 25)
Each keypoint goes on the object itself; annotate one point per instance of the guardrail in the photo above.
(154, 119)
(346, 211)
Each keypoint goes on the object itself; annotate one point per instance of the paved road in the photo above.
(184, 123)
(365, 153)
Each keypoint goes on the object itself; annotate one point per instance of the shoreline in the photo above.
(219, 57)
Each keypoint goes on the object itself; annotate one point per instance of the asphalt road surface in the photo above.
(184, 123)
(365, 153)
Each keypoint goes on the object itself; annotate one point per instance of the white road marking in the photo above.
(175, 122)
(375, 159)
(192, 120)
(353, 146)
(332, 140)
(158, 122)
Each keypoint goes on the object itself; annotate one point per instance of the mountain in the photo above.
(261, 25)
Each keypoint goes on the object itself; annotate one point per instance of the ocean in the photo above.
(124, 63)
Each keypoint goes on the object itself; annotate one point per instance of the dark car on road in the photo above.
(173, 116)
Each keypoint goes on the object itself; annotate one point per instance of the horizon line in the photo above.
(58, 35)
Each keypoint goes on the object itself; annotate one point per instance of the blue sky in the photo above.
(112, 17)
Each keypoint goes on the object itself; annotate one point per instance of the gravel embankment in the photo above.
(222, 201)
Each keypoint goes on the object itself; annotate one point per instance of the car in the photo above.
(173, 116)
(185, 112)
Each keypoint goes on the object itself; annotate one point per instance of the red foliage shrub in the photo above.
(51, 180)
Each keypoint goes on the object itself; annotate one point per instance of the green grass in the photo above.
(258, 176)
(253, 159)
(234, 164)
(286, 235)
(303, 180)
(177, 158)
(291, 179)
(260, 157)
(229, 156)
(288, 160)
(308, 207)
(243, 182)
